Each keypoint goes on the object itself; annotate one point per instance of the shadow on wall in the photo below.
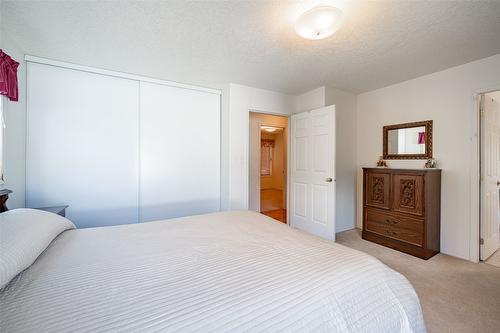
(88, 218)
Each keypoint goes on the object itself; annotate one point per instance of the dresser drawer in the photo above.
(395, 226)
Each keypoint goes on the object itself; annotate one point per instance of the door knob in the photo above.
(329, 180)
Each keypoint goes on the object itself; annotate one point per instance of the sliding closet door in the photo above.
(180, 152)
(82, 147)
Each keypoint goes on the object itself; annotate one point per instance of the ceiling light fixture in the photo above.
(269, 129)
(319, 22)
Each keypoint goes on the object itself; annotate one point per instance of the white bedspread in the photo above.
(224, 272)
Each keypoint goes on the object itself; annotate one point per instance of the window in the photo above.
(266, 157)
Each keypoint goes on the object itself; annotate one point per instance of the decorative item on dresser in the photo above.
(402, 209)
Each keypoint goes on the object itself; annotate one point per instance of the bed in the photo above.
(222, 272)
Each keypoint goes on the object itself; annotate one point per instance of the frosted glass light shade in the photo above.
(269, 129)
(319, 22)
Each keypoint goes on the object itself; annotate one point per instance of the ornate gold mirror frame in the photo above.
(428, 141)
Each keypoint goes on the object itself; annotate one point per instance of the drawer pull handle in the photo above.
(391, 222)
(392, 233)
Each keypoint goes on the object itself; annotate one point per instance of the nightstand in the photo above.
(59, 210)
(4, 195)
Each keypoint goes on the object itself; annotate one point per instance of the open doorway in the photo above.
(490, 178)
(272, 172)
(268, 165)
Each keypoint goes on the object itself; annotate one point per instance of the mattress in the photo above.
(222, 272)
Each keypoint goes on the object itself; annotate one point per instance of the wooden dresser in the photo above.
(402, 209)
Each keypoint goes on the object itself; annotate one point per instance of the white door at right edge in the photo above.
(490, 176)
(312, 178)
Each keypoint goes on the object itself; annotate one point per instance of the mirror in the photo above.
(408, 141)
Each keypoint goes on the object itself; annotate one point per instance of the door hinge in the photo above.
(481, 241)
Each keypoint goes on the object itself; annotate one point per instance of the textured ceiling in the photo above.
(253, 42)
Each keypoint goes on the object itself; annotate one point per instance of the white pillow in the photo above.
(24, 235)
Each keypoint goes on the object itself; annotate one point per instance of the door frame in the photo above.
(287, 178)
(475, 172)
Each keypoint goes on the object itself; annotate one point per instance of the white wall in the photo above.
(242, 100)
(345, 157)
(445, 97)
(311, 100)
(15, 131)
(237, 101)
(224, 148)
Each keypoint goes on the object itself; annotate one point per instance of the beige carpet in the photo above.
(494, 259)
(456, 295)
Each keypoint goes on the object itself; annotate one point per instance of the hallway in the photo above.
(271, 199)
(271, 204)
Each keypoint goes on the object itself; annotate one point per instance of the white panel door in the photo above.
(490, 176)
(82, 145)
(180, 152)
(312, 189)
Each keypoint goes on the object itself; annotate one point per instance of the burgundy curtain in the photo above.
(266, 156)
(265, 160)
(421, 138)
(267, 143)
(8, 77)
